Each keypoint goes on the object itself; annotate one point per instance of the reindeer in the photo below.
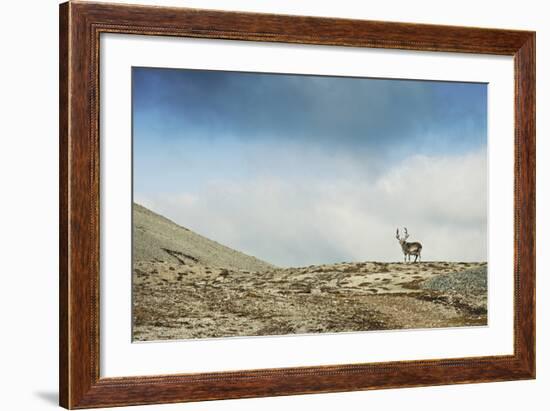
(409, 248)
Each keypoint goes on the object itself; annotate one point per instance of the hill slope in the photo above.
(158, 238)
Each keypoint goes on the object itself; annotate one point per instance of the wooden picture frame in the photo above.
(81, 24)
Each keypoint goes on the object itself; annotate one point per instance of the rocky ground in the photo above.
(183, 298)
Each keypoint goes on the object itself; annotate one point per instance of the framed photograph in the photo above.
(257, 205)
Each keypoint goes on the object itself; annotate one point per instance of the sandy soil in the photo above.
(186, 299)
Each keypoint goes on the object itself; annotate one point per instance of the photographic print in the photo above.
(275, 204)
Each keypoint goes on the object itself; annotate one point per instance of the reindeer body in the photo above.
(409, 249)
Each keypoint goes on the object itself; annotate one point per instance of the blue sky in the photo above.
(213, 148)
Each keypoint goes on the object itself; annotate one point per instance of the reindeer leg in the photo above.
(415, 257)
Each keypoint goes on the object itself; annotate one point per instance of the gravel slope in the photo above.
(466, 288)
(472, 281)
(157, 238)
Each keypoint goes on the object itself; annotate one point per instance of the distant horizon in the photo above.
(298, 170)
(400, 260)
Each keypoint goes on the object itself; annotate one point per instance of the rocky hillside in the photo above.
(159, 239)
(187, 286)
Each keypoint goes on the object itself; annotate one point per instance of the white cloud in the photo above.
(309, 219)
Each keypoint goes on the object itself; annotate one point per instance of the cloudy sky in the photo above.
(300, 170)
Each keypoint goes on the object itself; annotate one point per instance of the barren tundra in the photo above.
(187, 286)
